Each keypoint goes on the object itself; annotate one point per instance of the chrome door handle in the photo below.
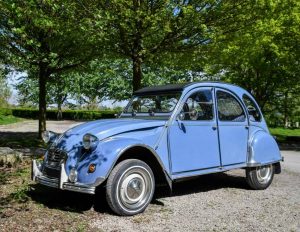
(214, 127)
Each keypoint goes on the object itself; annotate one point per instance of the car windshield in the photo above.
(158, 105)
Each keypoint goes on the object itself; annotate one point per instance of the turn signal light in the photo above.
(92, 168)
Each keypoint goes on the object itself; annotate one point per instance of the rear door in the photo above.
(232, 127)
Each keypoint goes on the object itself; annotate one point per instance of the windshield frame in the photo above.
(150, 115)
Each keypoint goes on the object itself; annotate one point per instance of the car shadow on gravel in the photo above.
(203, 183)
(59, 199)
(69, 201)
(78, 202)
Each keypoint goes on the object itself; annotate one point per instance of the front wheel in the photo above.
(261, 177)
(130, 187)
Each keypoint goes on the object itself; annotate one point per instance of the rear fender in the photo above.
(263, 149)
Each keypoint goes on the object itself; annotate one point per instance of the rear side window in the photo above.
(229, 109)
(252, 108)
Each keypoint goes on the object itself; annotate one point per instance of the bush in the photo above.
(5, 112)
(67, 114)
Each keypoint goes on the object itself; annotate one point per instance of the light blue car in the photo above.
(165, 134)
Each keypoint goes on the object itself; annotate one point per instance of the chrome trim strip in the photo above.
(63, 176)
(257, 164)
(47, 181)
(76, 187)
(79, 188)
(35, 171)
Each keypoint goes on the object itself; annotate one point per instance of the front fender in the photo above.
(105, 157)
(263, 149)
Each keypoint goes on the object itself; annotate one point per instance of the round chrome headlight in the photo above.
(90, 141)
(48, 136)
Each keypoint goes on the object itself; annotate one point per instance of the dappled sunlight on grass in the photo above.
(8, 119)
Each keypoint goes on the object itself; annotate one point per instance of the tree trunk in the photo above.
(137, 73)
(43, 76)
(286, 123)
(59, 111)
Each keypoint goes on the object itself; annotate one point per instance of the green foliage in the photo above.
(21, 194)
(263, 58)
(5, 111)
(254, 44)
(58, 90)
(45, 38)
(43, 32)
(166, 32)
(111, 79)
(286, 135)
(67, 114)
(8, 119)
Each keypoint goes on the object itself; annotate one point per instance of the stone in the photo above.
(9, 157)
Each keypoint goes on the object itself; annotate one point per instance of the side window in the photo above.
(253, 111)
(198, 106)
(229, 109)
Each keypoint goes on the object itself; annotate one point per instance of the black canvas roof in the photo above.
(162, 89)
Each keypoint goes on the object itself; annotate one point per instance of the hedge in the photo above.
(66, 114)
(4, 111)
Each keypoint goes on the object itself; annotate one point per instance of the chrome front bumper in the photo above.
(61, 183)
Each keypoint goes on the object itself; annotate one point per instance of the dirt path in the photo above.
(32, 126)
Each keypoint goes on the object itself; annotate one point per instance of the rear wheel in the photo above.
(130, 187)
(260, 177)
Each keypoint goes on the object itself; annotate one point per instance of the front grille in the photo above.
(52, 173)
(56, 155)
(55, 158)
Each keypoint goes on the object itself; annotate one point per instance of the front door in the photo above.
(193, 136)
(233, 128)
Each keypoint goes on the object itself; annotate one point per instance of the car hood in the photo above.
(104, 129)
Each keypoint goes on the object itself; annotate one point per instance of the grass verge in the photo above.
(8, 119)
(286, 135)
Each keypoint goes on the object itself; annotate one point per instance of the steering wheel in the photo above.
(194, 114)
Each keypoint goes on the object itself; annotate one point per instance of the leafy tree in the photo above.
(58, 91)
(46, 38)
(146, 32)
(111, 79)
(263, 57)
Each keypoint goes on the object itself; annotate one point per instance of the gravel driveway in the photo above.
(220, 202)
(217, 202)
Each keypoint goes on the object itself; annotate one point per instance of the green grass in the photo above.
(282, 134)
(8, 119)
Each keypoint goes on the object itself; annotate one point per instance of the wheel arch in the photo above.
(150, 157)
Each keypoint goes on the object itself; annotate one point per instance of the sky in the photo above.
(14, 78)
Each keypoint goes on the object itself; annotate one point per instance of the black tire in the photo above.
(261, 177)
(130, 187)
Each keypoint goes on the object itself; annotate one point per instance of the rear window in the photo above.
(253, 111)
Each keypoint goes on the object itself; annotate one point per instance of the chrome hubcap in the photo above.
(264, 173)
(135, 188)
